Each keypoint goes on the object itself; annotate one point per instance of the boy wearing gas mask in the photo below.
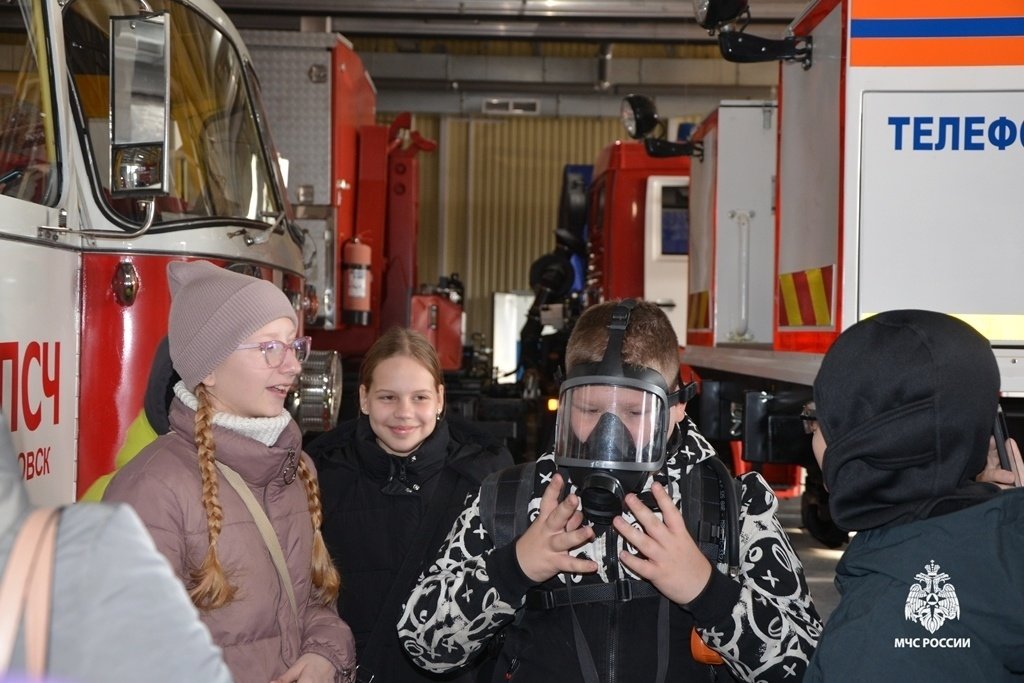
(603, 581)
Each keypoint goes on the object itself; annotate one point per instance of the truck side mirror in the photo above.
(139, 104)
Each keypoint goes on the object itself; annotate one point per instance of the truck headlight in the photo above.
(317, 399)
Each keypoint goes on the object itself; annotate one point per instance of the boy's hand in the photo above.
(994, 472)
(668, 558)
(543, 549)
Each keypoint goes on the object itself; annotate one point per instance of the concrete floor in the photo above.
(819, 562)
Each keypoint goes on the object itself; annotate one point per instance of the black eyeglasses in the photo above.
(810, 418)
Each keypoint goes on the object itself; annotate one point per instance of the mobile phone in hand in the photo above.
(1000, 434)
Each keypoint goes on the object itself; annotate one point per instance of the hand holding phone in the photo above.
(1008, 461)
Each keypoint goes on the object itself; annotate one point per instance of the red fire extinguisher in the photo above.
(356, 278)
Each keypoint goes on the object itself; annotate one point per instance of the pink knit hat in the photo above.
(213, 310)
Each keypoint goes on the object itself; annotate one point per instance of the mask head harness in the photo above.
(613, 424)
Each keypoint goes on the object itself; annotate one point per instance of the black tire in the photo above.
(819, 524)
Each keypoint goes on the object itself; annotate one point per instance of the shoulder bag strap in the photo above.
(266, 529)
(27, 588)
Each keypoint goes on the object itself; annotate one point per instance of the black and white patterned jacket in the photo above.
(763, 622)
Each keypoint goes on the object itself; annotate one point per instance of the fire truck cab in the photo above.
(133, 136)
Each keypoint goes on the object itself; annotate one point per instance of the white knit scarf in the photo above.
(266, 430)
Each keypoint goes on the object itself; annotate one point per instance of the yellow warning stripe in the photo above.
(819, 297)
(787, 290)
(806, 298)
(698, 317)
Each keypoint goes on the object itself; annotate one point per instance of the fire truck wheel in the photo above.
(816, 519)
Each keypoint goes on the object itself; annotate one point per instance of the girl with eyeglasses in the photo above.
(228, 495)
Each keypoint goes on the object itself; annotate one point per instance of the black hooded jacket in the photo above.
(906, 401)
(378, 509)
(932, 585)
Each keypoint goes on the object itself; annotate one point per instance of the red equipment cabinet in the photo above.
(440, 320)
(616, 251)
(362, 186)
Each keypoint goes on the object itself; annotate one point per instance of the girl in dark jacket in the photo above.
(393, 481)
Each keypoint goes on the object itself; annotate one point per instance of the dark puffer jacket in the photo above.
(378, 508)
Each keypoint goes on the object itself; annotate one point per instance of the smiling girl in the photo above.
(228, 495)
(393, 481)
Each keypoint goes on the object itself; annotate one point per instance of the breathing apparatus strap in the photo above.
(583, 654)
(611, 363)
(622, 590)
(587, 666)
(504, 499)
(685, 392)
(662, 640)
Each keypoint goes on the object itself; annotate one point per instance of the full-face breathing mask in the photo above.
(612, 425)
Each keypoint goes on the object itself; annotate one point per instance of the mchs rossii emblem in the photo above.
(932, 600)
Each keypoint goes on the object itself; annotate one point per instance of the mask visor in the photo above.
(611, 425)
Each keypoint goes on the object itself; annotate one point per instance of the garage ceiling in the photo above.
(573, 57)
(572, 20)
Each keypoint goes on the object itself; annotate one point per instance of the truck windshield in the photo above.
(218, 163)
(28, 145)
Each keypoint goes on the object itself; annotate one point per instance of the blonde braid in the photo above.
(210, 587)
(326, 580)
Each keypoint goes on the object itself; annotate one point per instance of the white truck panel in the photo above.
(809, 157)
(295, 76)
(745, 222)
(926, 241)
(38, 365)
(703, 174)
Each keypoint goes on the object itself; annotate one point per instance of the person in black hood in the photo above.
(932, 585)
(392, 482)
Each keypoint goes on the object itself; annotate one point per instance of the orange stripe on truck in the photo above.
(934, 9)
(961, 51)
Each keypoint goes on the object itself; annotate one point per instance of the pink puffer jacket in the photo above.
(258, 630)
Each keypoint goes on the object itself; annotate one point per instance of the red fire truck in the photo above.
(133, 136)
(634, 194)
